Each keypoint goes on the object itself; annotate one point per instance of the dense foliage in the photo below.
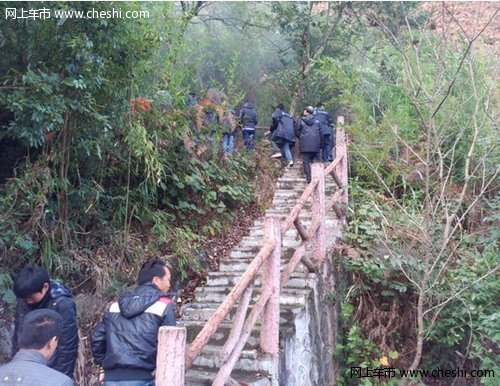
(91, 173)
(423, 254)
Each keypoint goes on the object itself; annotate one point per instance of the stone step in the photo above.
(201, 312)
(237, 265)
(250, 360)
(298, 185)
(258, 232)
(297, 280)
(292, 199)
(204, 376)
(220, 337)
(305, 218)
(303, 214)
(288, 296)
(257, 240)
(330, 219)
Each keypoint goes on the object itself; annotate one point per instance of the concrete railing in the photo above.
(172, 340)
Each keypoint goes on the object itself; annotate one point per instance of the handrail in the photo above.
(268, 261)
(210, 327)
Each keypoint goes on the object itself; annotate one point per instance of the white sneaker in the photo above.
(276, 155)
(290, 164)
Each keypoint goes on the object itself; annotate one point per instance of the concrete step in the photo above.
(331, 219)
(296, 185)
(290, 296)
(220, 337)
(204, 376)
(237, 266)
(303, 214)
(250, 360)
(297, 280)
(201, 312)
(257, 240)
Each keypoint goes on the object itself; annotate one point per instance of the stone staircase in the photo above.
(254, 367)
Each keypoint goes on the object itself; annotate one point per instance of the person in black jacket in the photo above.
(35, 291)
(327, 131)
(309, 134)
(248, 120)
(125, 342)
(283, 132)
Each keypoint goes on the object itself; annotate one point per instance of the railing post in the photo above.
(343, 168)
(318, 212)
(170, 357)
(269, 332)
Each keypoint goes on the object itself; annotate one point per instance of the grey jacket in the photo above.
(29, 368)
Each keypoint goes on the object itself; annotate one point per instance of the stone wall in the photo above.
(306, 349)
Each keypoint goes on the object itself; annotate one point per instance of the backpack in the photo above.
(286, 127)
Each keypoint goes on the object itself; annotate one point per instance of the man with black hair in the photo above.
(283, 132)
(38, 339)
(248, 120)
(35, 290)
(309, 134)
(325, 120)
(125, 342)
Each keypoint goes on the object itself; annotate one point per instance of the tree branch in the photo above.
(469, 46)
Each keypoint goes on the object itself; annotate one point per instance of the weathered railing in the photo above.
(267, 262)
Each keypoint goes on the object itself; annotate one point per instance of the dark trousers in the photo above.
(249, 138)
(326, 152)
(307, 158)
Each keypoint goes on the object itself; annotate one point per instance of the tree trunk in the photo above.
(63, 179)
(420, 329)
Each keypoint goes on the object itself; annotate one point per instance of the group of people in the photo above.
(212, 115)
(124, 343)
(315, 132)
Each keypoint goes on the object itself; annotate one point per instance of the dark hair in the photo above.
(310, 109)
(280, 106)
(38, 328)
(150, 269)
(29, 281)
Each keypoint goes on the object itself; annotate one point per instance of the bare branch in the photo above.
(464, 55)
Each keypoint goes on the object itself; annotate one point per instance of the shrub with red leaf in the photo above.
(140, 104)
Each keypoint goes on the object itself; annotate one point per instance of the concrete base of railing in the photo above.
(170, 368)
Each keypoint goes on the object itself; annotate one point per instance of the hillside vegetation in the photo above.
(101, 167)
